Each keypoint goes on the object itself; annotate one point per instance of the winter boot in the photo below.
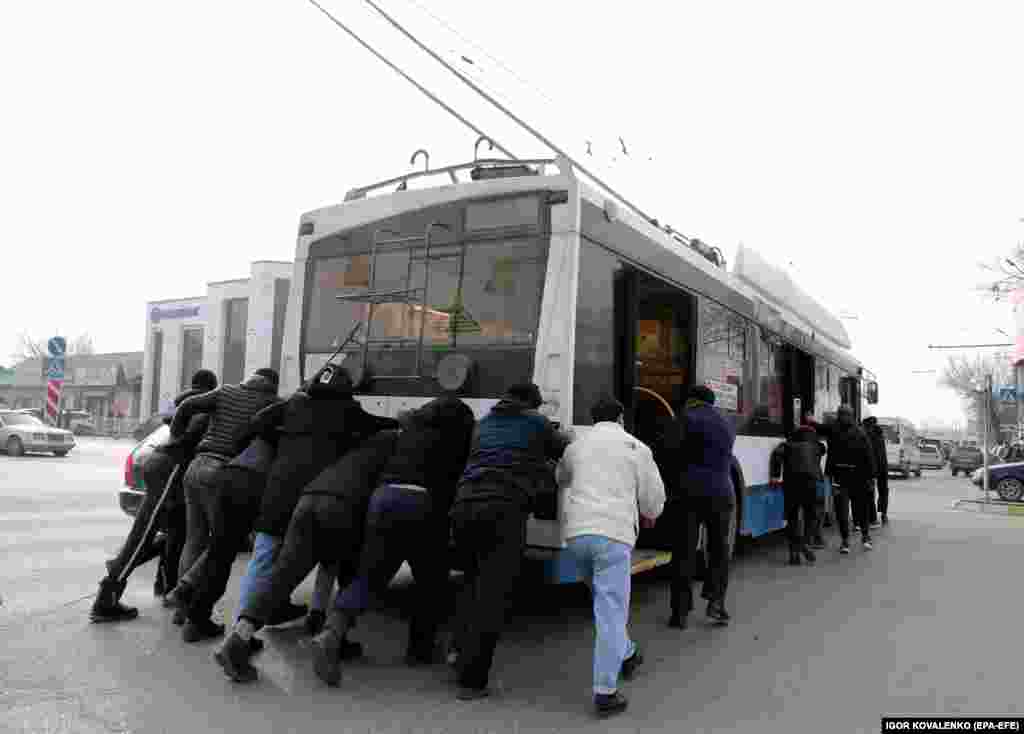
(794, 557)
(717, 614)
(327, 648)
(233, 657)
(108, 607)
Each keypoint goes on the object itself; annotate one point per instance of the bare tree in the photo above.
(29, 348)
(966, 377)
(1008, 273)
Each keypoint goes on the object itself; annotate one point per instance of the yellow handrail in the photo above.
(658, 398)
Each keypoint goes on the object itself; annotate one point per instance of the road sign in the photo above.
(1005, 393)
(57, 346)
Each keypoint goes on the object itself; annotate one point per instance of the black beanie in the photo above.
(702, 393)
(204, 380)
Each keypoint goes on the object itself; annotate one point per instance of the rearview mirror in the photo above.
(872, 393)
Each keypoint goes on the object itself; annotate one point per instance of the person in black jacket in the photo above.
(160, 478)
(325, 528)
(313, 429)
(508, 476)
(230, 408)
(798, 462)
(408, 521)
(851, 467)
(877, 438)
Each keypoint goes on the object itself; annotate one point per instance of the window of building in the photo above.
(191, 355)
(158, 361)
(235, 326)
(282, 287)
(723, 358)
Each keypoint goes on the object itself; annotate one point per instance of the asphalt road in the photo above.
(922, 624)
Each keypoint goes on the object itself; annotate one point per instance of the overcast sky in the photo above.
(875, 149)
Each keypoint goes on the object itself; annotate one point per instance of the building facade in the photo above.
(237, 327)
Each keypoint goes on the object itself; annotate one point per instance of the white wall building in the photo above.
(237, 327)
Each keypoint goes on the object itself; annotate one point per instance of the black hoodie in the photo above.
(799, 457)
(183, 447)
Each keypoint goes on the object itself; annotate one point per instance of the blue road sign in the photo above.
(1005, 393)
(57, 346)
(56, 370)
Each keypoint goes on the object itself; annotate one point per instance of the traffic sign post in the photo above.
(57, 346)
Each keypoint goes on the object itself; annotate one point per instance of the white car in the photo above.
(21, 432)
(931, 457)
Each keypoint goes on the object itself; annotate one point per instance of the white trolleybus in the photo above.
(508, 270)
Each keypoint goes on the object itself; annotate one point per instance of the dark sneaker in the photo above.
(794, 558)
(716, 613)
(867, 544)
(108, 607)
(472, 694)
(630, 664)
(875, 525)
(315, 621)
(845, 548)
(809, 555)
(327, 658)
(233, 658)
(287, 613)
(610, 704)
(199, 631)
(885, 519)
(678, 621)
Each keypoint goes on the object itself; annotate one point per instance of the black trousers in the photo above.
(689, 513)
(323, 529)
(490, 535)
(801, 496)
(175, 530)
(139, 546)
(402, 525)
(883, 493)
(200, 482)
(231, 511)
(853, 494)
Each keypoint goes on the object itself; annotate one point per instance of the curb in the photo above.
(992, 507)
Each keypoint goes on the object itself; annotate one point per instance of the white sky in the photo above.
(147, 149)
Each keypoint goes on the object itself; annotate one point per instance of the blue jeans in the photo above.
(606, 565)
(257, 577)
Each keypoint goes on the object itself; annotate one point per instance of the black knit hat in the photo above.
(204, 380)
(702, 393)
(525, 392)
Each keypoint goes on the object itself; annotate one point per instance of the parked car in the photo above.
(931, 457)
(901, 446)
(965, 459)
(80, 422)
(21, 432)
(1006, 479)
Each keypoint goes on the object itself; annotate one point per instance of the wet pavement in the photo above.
(922, 624)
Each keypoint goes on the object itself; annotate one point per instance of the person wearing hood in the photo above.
(797, 461)
(325, 528)
(851, 467)
(230, 408)
(508, 476)
(877, 439)
(702, 441)
(407, 521)
(160, 479)
(314, 428)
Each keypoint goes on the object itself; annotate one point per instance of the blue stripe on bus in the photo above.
(764, 508)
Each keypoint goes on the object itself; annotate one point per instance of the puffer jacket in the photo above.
(609, 479)
(510, 458)
(313, 431)
(432, 450)
(231, 408)
(850, 455)
(799, 457)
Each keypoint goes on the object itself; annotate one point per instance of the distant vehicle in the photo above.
(931, 457)
(21, 432)
(965, 459)
(1006, 479)
(901, 446)
(80, 423)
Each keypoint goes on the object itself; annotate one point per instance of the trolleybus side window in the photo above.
(723, 359)
(769, 413)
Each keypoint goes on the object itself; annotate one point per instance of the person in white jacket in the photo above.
(610, 485)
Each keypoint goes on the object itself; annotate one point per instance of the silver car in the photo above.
(21, 432)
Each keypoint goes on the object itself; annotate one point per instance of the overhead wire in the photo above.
(433, 97)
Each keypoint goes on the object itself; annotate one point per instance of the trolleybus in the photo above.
(497, 271)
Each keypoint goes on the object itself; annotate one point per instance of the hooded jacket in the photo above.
(850, 455)
(702, 441)
(313, 429)
(800, 457)
(510, 456)
(877, 438)
(432, 450)
(231, 407)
